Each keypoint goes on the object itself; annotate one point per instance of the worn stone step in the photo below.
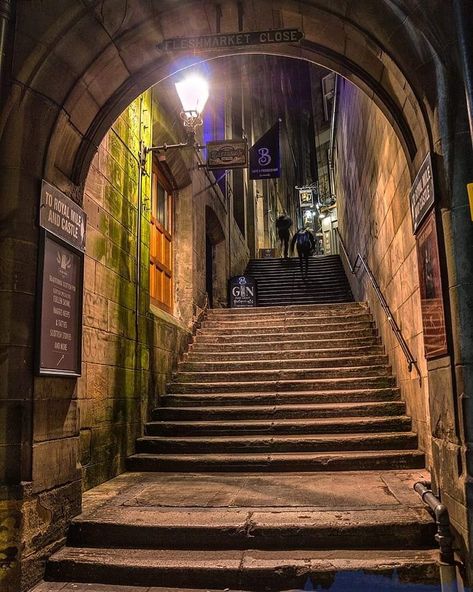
(277, 529)
(241, 569)
(290, 461)
(291, 373)
(257, 315)
(319, 355)
(230, 323)
(280, 426)
(221, 408)
(210, 344)
(311, 384)
(286, 300)
(338, 308)
(316, 338)
(88, 587)
(275, 444)
(322, 282)
(267, 364)
(287, 328)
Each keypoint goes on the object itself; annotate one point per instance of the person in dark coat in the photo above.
(305, 243)
(283, 224)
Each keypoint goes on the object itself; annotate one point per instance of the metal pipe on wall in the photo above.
(464, 26)
(6, 12)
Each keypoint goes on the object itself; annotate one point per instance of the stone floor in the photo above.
(229, 503)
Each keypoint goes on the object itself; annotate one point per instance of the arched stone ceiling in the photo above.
(90, 59)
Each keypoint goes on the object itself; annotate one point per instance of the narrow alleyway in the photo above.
(281, 456)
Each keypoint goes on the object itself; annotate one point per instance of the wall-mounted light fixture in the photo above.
(193, 92)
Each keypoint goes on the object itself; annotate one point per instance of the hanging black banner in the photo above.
(265, 162)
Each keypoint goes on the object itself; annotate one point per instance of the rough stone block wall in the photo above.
(125, 365)
(372, 187)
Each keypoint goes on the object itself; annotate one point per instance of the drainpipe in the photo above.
(6, 12)
(463, 25)
(447, 567)
(333, 126)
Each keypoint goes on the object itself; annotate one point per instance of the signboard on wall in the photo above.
(306, 197)
(61, 216)
(267, 253)
(231, 40)
(227, 154)
(265, 156)
(422, 193)
(60, 322)
(242, 291)
(433, 319)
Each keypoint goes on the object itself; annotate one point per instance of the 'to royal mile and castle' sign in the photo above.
(226, 40)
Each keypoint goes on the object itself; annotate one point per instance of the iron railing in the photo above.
(411, 361)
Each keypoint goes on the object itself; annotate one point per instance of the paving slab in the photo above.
(357, 490)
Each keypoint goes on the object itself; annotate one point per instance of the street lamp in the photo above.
(193, 93)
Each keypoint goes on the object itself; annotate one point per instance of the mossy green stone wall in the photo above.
(124, 371)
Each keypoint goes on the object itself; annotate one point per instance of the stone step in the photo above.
(315, 285)
(210, 344)
(282, 319)
(319, 355)
(229, 411)
(311, 384)
(286, 328)
(327, 339)
(338, 308)
(268, 364)
(280, 426)
(280, 462)
(322, 282)
(282, 300)
(277, 529)
(282, 312)
(241, 569)
(275, 444)
(291, 373)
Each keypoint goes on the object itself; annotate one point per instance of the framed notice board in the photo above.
(60, 309)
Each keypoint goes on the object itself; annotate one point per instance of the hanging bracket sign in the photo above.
(227, 154)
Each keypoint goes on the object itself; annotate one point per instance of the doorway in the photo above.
(209, 276)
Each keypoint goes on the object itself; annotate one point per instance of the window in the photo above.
(161, 256)
(328, 93)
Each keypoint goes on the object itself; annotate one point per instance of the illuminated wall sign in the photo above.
(230, 40)
(61, 216)
(422, 193)
(227, 154)
(306, 197)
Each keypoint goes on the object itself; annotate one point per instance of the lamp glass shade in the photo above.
(193, 93)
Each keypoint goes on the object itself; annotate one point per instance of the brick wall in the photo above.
(372, 186)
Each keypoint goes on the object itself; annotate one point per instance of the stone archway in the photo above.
(67, 91)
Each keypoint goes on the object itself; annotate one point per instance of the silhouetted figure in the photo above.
(283, 224)
(305, 244)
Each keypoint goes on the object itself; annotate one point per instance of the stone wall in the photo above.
(372, 186)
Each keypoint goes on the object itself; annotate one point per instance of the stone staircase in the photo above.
(280, 457)
(280, 282)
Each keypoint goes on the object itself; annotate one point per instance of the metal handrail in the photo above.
(411, 361)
